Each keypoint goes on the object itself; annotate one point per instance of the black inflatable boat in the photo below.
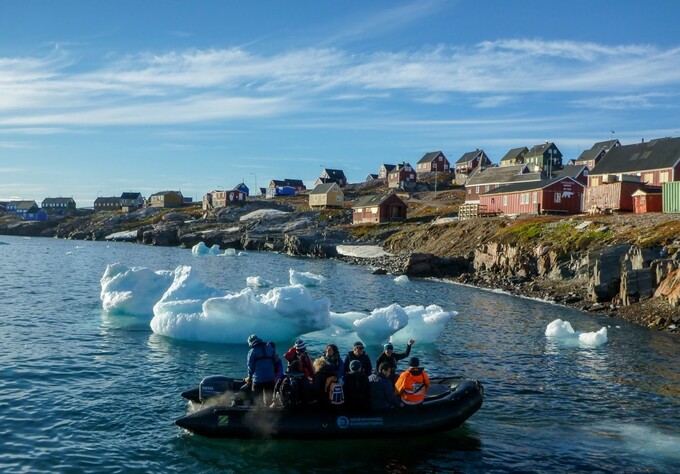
(449, 402)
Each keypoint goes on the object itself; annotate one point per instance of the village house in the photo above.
(514, 157)
(167, 199)
(218, 198)
(296, 184)
(648, 199)
(243, 188)
(58, 205)
(403, 176)
(26, 209)
(132, 200)
(371, 177)
(434, 161)
(484, 180)
(468, 163)
(593, 156)
(560, 195)
(545, 157)
(379, 208)
(326, 195)
(385, 170)
(332, 176)
(627, 168)
(110, 203)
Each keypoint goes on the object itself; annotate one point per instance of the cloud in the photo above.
(213, 85)
(622, 102)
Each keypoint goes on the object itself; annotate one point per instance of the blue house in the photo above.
(243, 188)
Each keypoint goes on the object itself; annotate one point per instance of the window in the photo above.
(505, 200)
(535, 197)
(440, 158)
(476, 189)
(664, 177)
(558, 197)
(524, 198)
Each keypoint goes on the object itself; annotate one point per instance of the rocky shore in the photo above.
(625, 266)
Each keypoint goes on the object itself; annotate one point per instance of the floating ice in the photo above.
(563, 331)
(361, 251)
(381, 324)
(202, 249)
(425, 324)
(401, 280)
(258, 282)
(229, 253)
(134, 290)
(280, 314)
(305, 278)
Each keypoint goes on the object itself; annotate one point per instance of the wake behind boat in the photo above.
(449, 403)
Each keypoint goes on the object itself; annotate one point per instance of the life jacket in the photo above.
(336, 394)
(412, 385)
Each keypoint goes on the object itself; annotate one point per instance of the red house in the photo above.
(433, 161)
(563, 195)
(647, 199)
(470, 161)
(403, 176)
(381, 208)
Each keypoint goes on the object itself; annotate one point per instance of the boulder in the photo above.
(669, 288)
(605, 272)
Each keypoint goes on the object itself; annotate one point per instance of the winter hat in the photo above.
(388, 346)
(355, 366)
(300, 345)
(414, 362)
(359, 344)
(253, 340)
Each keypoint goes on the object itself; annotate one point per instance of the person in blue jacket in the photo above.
(262, 362)
(382, 390)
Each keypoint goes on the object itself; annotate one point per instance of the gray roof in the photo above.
(131, 195)
(655, 154)
(607, 144)
(514, 153)
(501, 174)
(469, 156)
(111, 199)
(324, 188)
(572, 171)
(387, 167)
(529, 186)
(58, 200)
(430, 157)
(538, 150)
(24, 205)
(335, 174)
(294, 182)
(375, 200)
(589, 154)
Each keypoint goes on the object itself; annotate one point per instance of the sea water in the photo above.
(84, 391)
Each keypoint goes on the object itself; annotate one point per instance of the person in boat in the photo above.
(413, 383)
(358, 353)
(356, 388)
(388, 355)
(323, 375)
(381, 390)
(278, 371)
(332, 357)
(294, 389)
(299, 352)
(262, 362)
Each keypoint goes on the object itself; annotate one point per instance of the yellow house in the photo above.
(326, 195)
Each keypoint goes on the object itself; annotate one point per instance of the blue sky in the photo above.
(98, 98)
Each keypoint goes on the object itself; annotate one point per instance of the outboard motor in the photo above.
(215, 385)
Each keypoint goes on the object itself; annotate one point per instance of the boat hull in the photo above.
(445, 411)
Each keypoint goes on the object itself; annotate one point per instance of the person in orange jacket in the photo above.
(413, 383)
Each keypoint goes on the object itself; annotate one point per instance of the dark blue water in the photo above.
(81, 391)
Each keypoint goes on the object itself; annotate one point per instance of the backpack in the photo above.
(336, 394)
(291, 390)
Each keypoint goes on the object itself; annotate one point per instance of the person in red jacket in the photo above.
(413, 383)
(299, 352)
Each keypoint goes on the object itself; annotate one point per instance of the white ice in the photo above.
(562, 330)
(401, 280)
(134, 290)
(262, 213)
(191, 311)
(202, 249)
(305, 278)
(230, 253)
(124, 235)
(258, 282)
(183, 307)
(361, 251)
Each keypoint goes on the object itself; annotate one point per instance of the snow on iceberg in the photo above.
(381, 324)
(191, 311)
(305, 278)
(258, 282)
(563, 331)
(425, 324)
(132, 291)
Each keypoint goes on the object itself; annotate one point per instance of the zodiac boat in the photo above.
(450, 401)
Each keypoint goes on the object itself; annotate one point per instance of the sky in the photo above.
(100, 98)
